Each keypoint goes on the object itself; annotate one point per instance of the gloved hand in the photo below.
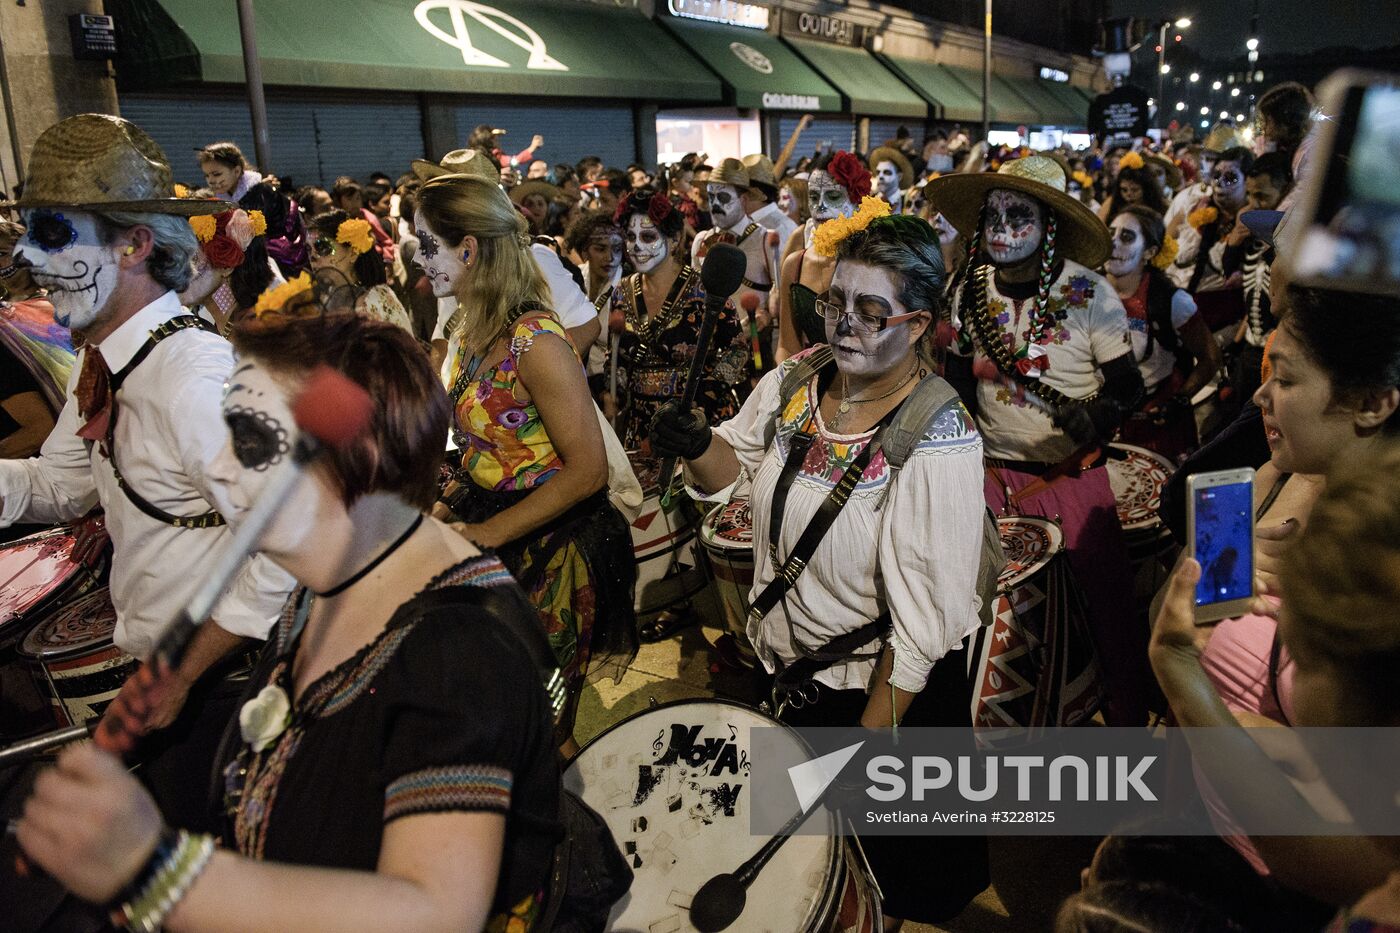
(1094, 421)
(676, 432)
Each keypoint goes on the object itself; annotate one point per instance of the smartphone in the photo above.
(1348, 224)
(1220, 532)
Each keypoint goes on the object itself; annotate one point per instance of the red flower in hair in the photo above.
(223, 252)
(852, 173)
(659, 208)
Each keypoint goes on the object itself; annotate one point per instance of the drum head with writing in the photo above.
(73, 628)
(1029, 543)
(673, 785)
(1137, 482)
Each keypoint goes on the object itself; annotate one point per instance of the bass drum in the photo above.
(1034, 666)
(663, 541)
(727, 539)
(671, 784)
(1137, 477)
(72, 655)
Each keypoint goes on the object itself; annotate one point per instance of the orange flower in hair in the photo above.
(355, 233)
(275, 299)
(259, 222)
(1131, 160)
(1203, 217)
(205, 226)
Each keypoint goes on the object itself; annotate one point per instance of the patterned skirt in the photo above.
(579, 572)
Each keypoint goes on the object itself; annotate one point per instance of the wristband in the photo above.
(179, 859)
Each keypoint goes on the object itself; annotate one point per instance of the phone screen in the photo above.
(1224, 542)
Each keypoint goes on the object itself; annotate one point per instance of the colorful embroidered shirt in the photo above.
(504, 443)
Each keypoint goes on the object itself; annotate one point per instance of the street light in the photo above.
(1224, 114)
(1181, 105)
(1205, 111)
(1252, 44)
(1166, 69)
(1239, 118)
(1234, 92)
(1216, 85)
(1182, 22)
(1194, 77)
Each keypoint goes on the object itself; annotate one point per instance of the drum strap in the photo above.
(210, 519)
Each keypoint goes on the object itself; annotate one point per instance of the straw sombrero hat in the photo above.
(761, 174)
(1221, 138)
(457, 162)
(731, 172)
(98, 162)
(1173, 173)
(1080, 234)
(520, 192)
(890, 154)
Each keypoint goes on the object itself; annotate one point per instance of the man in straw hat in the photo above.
(761, 200)
(1042, 358)
(444, 268)
(733, 225)
(893, 175)
(113, 245)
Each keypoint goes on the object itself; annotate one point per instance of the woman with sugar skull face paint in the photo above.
(836, 183)
(915, 530)
(661, 306)
(1041, 354)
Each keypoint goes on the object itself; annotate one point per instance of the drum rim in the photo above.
(73, 651)
(1152, 521)
(709, 539)
(838, 841)
(1057, 547)
(78, 583)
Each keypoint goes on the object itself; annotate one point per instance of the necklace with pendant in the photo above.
(846, 401)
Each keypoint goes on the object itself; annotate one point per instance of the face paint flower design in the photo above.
(1013, 226)
(646, 247)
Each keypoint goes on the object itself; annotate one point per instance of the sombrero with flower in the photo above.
(1081, 235)
(98, 162)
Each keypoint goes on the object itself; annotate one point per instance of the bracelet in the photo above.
(179, 859)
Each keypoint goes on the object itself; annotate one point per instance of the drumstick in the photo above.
(722, 274)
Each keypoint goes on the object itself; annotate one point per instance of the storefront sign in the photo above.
(1054, 74)
(94, 36)
(791, 101)
(501, 23)
(825, 28)
(752, 57)
(734, 13)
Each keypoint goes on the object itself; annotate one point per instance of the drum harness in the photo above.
(896, 436)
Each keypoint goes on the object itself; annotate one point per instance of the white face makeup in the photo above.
(725, 207)
(872, 291)
(827, 199)
(786, 204)
(646, 247)
(257, 409)
(205, 281)
(1227, 179)
(1013, 227)
(947, 233)
(69, 259)
(442, 265)
(887, 180)
(1128, 246)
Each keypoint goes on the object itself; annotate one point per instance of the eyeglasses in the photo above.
(323, 246)
(860, 322)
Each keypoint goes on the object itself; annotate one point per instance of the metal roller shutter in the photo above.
(570, 131)
(314, 140)
(834, 132)
(882, 131)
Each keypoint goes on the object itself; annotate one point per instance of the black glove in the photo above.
(676, 432)
(1093, 422)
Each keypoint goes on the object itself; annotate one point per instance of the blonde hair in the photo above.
(505, 275)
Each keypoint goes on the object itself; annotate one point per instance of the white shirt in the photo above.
(1016, 425)
(911, 546)
(569, 303)
(169, 427)
(771, 217)
(1159, 365)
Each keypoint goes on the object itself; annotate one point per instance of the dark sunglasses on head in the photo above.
(323, 246)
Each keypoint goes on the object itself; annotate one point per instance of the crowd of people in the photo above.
(925, 338)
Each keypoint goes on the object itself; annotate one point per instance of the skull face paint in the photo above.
(947, 233)
(1227, 181)
(725, 207)
(646, 247)
(1013, 227)
(827, 198)
(442, 264)
(887, 180)
(874, 291)
(1128, 246)
(257, 409)
(66, 255)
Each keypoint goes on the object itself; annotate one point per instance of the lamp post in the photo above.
(1183, 22)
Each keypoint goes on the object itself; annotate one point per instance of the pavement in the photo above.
(1030, 876)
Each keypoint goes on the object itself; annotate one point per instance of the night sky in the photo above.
(1219, 27)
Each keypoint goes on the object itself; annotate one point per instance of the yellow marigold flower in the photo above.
(1167, 254)
(1202, 217)
(1084, 178)
(830, 234)
(1131, 160)
(181, 191)
(259, 222)
(355, 233)
(274, 299)
(205, 226)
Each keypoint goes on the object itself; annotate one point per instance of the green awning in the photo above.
(1007, 105)
(869, 87)
(758, 70)
(511, 47)
(1075, 99)
(949, 98)
(1051, 109)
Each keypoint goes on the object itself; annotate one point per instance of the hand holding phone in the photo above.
(1220, 535)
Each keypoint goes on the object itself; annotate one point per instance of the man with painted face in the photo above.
(141, 427)
(1200, 260)
(733, 225)
(835, 186)
(1042, 358)
(1187, 197)
(893, 175)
